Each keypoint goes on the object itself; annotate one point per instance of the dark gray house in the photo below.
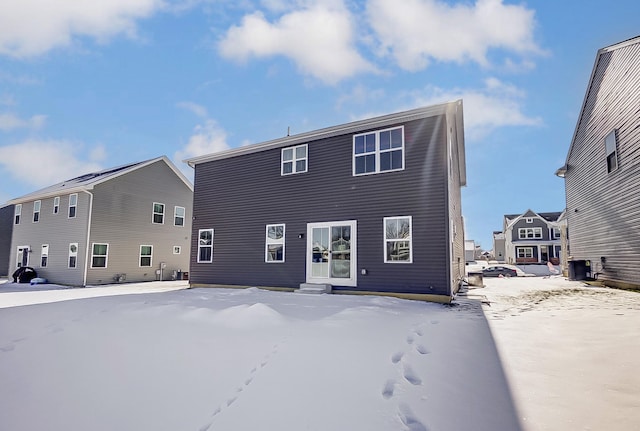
(371, 206)
(127, 223)
(602, 171)
(6, 229)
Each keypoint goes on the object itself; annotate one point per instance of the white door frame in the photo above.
(19, 253)
(352, 281)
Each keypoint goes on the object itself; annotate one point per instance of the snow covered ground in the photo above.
(223, 359)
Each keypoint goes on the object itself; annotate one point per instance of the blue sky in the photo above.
(91, 85)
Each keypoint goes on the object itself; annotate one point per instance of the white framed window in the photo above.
(529, 219)
(177, 249)
(36, 211)
(44, 255)
(56, 205)
(17, 213)
(524, 252)
(99, 255)
(612, 152)
(146, 255)
(274, 243)
(378, 151)
(205, 245)
(73, 205)
(294, 160)
(73, 254)
(398, 247)
(22, 256)
(555, 233)
(158, 213)
(178, 216)
(530, 233)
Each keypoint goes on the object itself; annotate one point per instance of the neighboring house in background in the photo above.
(499, 251)
(533, 238)
(6, 229)
(368, 206)
(602, 171)
(469, 250)
(129, 223)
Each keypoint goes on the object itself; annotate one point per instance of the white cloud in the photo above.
(207, 138)
(40, 163)
(416, 32)
(32, 27)
(319, 38)
(10, 122)
(496, 105)
(196, 109)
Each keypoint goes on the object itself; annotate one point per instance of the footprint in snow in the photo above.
(397, 357)
(411, 375)
(387, 391)
(422, 349)
(409, 419)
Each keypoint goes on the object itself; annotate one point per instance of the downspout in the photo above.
(86, 257)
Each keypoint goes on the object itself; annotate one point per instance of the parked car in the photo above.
(497, 271)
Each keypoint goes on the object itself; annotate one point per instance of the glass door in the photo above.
(331, 253)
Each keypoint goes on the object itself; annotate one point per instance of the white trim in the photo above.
(529, 219)
(294, 160)
(75, 206)
(150, 256)
(270, 241)
(72, 254)
(198, 260)
(352, 281)
(36, 213)
(518, 248)
(106, 255)
(85, 270)
(153, 212)
(56, 205)
(17, 214)
(19, 252)
(386, 240)
(178, 248)
(377, 151)
(43, 254)
(175, 215)
(533, 230)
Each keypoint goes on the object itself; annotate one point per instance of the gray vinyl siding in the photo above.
(454, 199)
(603, 209)
(521, 224)
(57, 230)
(6, 229)
(122, 218)
(238, 196)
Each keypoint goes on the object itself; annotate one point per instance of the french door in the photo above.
(331, 253)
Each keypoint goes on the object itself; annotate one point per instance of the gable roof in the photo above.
(552, 217)
(89, 180)
(562, 170)
(451, 109)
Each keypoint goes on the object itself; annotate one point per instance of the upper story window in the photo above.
(397, 239)
(178, 216)
(612, 153)
(294, 160)
(36, 211)
(17, 213)
(73, 204)
(158, 213)
(555, 233)
(529, 220)
(56, 205)
(530, 233)
(205, 246)
(274, 243)
(378, 151)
